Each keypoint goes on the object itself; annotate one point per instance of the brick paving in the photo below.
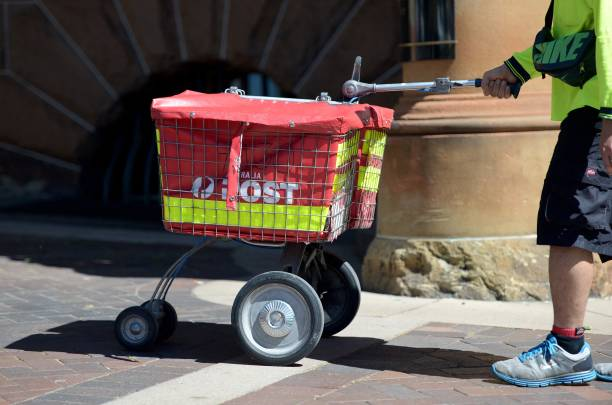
(58, 300)
(435, 364)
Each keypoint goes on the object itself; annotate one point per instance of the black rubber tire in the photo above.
(340, 293)
(167, 324)
(314, 306)
(149, 336)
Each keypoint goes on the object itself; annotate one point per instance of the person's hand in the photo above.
(495, 82)
(605, 143)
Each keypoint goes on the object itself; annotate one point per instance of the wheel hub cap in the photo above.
(135, 328)
(276, 318)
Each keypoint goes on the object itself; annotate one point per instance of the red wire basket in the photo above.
(265, 169)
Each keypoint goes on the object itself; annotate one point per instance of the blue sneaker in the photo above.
(604, 371)
(547, 364)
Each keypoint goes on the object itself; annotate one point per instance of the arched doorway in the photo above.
(119, 162)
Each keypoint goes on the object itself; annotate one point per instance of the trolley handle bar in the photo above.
(354, 88)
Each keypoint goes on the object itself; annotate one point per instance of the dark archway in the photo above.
(119, 161)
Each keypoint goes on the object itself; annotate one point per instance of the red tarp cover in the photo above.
(313, 117)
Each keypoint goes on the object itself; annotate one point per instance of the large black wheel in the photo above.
(278, 318)
(136, 329)
(338, 288)
(167, 319)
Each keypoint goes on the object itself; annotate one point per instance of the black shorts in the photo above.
(576, 203)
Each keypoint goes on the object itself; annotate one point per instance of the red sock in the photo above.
(570, 339)
(572, 333)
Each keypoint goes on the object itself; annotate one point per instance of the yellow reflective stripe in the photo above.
(340, 180)
(374, 143)
(368, 179)
(157, 138)
(347, 150)
(248, 215)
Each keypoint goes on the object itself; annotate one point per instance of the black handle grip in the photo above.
(515, 88)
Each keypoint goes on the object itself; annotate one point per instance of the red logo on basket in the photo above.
(251, 191)
(590, 172)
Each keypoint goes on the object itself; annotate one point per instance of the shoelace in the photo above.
(546, 348)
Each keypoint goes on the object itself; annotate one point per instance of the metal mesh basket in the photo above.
(292, 186)
(370, 159)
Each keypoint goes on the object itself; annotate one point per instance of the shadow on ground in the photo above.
(224, 259)
(216, 343)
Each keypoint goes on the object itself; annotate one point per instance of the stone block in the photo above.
(502, 269)
(40, 55)
(154, 25)
(462, 185)
(33, 124)
(202, 25)
(309, 23)
(96, 28)
(250, 24)
(363, 36)
(602, 282)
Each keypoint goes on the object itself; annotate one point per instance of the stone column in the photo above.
(462, 173)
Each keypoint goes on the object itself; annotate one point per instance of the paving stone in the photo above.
(12, 372)
(71, 379)
(10, 362)
(396, 391)
(589, 393)
(88, 368)
(79, 399)
(432, 342)
(325, 379)
(482, 372)
(501, 350)
(495, 400)
(447, 396)
(598, 340)
(27, 384)
(440, 332)
(546, 396)
(418, 384)
(44, 364)
(40, 401)
(389, 375)
(357, 392)
(13, 397)
(280, 395)
(97, 392)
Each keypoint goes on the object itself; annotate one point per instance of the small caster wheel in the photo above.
(136, 329)
(338, 287)
(167, 319)
(278, 318)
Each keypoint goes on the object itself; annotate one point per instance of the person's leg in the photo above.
(570, 271)
(565, 221)
(563, 358)
(604, 370)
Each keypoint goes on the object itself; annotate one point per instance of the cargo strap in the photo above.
(233, 169)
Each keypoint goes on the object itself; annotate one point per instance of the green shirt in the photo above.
(569, 17)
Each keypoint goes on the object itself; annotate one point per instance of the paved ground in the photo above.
(438, 363)
(58, 299)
